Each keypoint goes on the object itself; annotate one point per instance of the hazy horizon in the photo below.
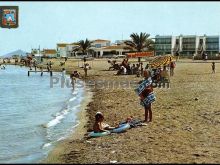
(46, 23)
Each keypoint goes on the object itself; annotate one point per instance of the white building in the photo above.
(70, 49)
(62, 49)
(98, 45)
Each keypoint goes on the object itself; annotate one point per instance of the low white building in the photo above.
(62, 49)
(98, 45)
(70, 49)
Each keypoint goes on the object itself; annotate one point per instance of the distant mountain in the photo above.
(17, 52)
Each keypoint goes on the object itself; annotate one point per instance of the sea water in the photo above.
(34, 114)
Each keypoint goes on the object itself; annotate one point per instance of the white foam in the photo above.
(65, 112)
(61, 138)
(55, 121)
(46, 145)
(72, 99)
(75, 107)
(75, 92)
(76, 124)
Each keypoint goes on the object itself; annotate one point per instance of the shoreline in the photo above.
(78, 132)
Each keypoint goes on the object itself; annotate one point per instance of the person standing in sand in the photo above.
(145, 94)
(85, 69)
(213, 67)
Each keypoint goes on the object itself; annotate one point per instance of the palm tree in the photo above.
(83, 46)
(139, 43)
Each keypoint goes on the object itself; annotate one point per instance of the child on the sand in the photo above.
(99, 125)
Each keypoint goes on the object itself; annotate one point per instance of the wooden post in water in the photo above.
(28, 73)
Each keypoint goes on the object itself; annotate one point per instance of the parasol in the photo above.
(161, 61)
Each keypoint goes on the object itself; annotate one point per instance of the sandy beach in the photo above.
(185, 126)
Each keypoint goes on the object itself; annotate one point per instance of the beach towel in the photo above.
(148, 100)
(133, 123)
(144, 84)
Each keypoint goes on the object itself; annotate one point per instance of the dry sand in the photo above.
(183, 130)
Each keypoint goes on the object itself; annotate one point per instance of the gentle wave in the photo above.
(72, 99)
(46, 145)
(59, 116)
(55, 121)
(75, 92)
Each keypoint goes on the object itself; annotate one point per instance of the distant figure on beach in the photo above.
(146, 72)
(63, 72)
(86, 67)
(177, 54)
(193, 57)
(41, 69)
(99, 125)
(206, 56)
(124, 70)
(138, 71)
(133, 71)
(50, 65)
(164, 78)
(213, 67)
(172, 66)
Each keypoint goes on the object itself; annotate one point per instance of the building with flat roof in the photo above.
(186, 45)
(163, 45)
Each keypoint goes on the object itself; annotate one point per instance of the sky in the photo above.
(45, 24)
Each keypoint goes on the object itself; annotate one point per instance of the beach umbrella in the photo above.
(161, 61)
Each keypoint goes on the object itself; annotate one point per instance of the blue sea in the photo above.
(34, 115)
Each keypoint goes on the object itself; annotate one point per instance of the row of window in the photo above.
(189, 47)
(188, 40)
(212, 40)
(163, 40)
(212, 47)
(100, 45)
(163, 47)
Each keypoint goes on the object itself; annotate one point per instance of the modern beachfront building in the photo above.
(212, 45)
(189, 45)
(163, 45)
(186, 45)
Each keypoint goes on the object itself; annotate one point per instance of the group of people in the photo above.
(125, 68)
